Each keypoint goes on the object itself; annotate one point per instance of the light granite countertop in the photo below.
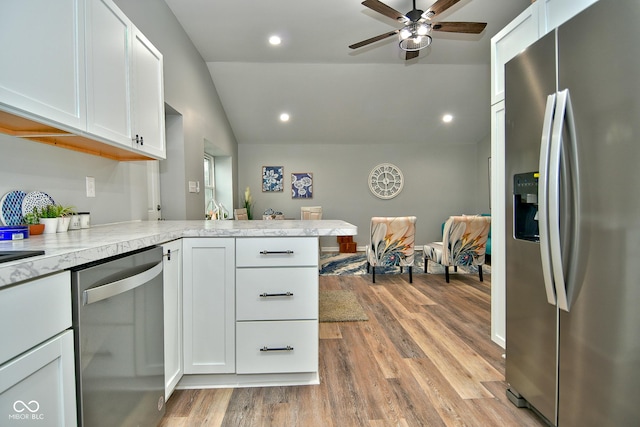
(77, 247)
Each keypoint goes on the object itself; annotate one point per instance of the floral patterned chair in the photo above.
(391, 244)
(464, 243)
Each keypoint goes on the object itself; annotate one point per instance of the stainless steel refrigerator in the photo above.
(572, 117)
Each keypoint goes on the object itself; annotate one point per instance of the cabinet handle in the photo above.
(286, 294)
(141, 141)
(287, 348)
(168, 255)
(276, 252)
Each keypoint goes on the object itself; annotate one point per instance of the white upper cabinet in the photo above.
(124, 80)
(42, 50)
(148, 97)
(511, 40)
(81, 67)
(108, 72)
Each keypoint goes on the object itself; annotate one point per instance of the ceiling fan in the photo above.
(416, 33)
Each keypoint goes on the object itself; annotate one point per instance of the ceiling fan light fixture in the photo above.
(414, 37)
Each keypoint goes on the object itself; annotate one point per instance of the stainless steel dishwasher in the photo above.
(119, 340)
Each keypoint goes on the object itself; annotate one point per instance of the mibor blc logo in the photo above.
(26, 410)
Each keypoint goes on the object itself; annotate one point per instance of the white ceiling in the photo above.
(335, 94)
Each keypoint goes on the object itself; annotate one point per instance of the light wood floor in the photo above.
(424, 358)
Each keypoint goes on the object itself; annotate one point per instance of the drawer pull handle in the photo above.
(285, 294)
(287, 348)
(289, 252)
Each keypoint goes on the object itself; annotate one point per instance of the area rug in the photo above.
(340, 306)
(336, 264)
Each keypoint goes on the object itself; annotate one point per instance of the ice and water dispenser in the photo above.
(525, 206)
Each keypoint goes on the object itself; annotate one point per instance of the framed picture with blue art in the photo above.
(302, 185)
(272, 178)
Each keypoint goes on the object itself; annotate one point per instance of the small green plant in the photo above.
(32, 217)
(49, 211)
(66, 210)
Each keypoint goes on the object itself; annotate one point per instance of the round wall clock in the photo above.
(386, 181)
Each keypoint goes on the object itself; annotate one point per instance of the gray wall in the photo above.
(121, 187)
(189, 91)
(439, 181)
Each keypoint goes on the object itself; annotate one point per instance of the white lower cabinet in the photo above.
(37, 368)
(250, 311)
(38, 387)
(209, 305)
(172, 277)
(276, 305)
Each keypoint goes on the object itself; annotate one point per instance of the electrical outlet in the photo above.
(91, 186)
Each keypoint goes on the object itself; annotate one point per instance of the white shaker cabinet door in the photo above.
(209, 305)
(510, 41)
(38, 387)
(172, 277)
(108, 72)
(148, 97)
(42, 74)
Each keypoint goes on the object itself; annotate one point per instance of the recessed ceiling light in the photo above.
(447, 118)
(284, 117)
(275, 40)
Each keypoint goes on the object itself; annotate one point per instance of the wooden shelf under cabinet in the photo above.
(21, 127)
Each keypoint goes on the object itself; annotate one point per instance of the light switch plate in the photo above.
(91, 186)
(193, 187)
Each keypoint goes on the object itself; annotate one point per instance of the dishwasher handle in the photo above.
(118, 287)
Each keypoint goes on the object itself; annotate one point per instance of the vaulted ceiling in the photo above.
(335, 94)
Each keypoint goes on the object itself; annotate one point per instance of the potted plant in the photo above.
(49, 217)
(32, 220)
(64, 217)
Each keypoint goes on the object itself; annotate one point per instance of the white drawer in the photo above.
(33, 312)
(276, 346)
(276, 251)
(277, 293)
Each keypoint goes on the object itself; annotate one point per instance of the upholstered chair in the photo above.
(392, 243)
(464, 241)
(240, 214)
(311, 212)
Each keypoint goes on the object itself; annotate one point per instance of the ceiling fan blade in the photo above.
(412, 54)
(382, 8)
(439, 7)
(374, 39)
(459, 27)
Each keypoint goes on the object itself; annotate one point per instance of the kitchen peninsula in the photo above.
(77, 247)
(240, 304)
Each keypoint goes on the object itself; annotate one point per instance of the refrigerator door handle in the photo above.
(543, 196)
(554, 197)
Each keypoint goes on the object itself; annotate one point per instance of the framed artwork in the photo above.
(272, 178)
(302, 185)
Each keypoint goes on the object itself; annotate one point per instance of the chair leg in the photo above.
(373, 269)
(446, 273)
(410, 274)
(480, 273)
(455, 268)
(426, 263)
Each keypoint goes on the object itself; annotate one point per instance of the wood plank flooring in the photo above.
(424, 358)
